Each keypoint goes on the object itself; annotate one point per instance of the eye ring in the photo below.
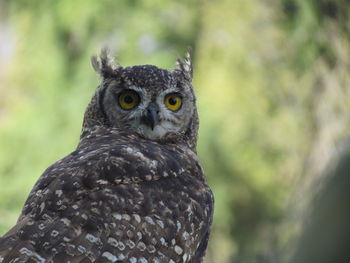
(173, 101)
(128, 99)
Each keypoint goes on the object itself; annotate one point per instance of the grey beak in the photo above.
(151, 117)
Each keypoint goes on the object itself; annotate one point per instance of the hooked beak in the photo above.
(151, 117)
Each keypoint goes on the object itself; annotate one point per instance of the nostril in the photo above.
(153, 108)
(149, 111)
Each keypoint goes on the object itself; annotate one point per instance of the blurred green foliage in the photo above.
(271, 85)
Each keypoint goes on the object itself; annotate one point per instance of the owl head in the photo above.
(154, 103)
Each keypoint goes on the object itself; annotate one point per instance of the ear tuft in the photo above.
(105, 64)
(184, 66)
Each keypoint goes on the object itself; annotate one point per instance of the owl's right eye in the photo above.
(128, 99)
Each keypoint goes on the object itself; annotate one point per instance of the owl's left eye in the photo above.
(173, 101)
(128, 99)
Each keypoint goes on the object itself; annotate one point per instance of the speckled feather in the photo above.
(118, 197)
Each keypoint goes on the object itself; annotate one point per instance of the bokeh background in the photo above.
(272, 83)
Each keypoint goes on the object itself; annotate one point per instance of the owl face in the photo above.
(148, 100)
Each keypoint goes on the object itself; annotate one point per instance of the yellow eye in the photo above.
(173, 101)
(128, 99)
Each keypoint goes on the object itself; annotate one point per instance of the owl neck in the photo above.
(191, 133)
(94, 114)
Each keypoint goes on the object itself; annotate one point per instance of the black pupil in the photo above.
(128, 99)
(172, 101)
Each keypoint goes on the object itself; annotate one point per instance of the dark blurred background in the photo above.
(272, 83)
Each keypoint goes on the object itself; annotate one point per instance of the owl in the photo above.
(133, 190)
